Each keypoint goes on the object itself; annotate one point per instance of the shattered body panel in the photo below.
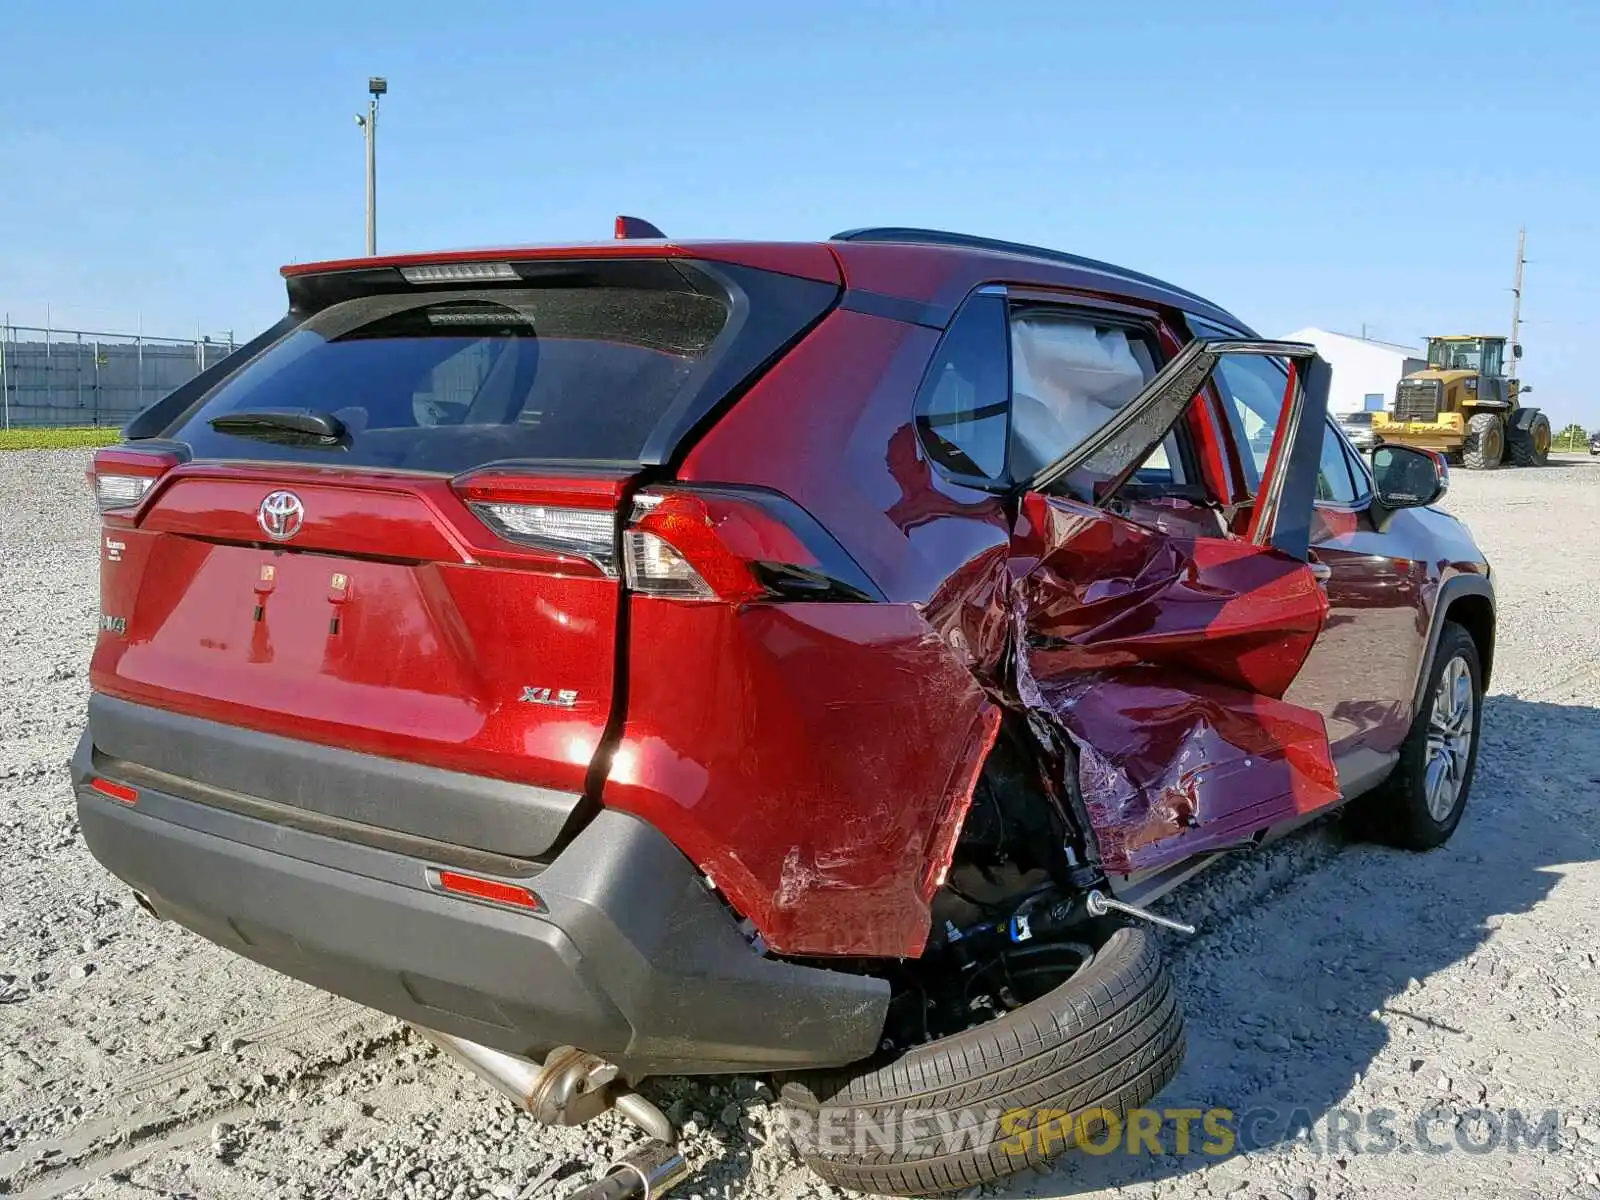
(1163, 658)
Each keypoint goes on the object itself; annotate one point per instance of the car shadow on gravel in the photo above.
(1292, 1000)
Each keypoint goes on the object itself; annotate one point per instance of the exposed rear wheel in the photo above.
(987, 1102)
(1485, 446)
(1530, 447)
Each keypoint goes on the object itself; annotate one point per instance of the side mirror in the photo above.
(1406, 477)
(1516, 349)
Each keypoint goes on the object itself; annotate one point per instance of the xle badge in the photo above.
(565, 698)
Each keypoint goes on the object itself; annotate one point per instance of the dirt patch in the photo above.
(1335, 991)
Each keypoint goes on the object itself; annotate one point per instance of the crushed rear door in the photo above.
(1164, 655)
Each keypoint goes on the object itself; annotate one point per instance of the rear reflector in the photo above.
(467, 272)
(493, 891)
(120, 792)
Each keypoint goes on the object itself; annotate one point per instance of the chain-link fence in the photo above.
(84, 377)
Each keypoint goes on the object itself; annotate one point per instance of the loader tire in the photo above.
(1530, 447)
(1102, 1043)
(1485, 446)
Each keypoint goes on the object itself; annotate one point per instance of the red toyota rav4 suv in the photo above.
(673, 657)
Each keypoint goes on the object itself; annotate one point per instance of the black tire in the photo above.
(1398, 813)
(1485, 446)
(1530, 447)
(1108, 1039)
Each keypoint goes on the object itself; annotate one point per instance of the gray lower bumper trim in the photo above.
(634, 960)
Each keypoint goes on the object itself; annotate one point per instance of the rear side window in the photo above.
(963, 409)
(444, 381)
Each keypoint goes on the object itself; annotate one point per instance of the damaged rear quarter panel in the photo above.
(816, 764)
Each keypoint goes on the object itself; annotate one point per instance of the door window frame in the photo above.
(1281, 514)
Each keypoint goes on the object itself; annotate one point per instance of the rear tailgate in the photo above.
(391, 624)
(437, 584)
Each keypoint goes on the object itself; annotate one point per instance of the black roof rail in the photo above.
(939, 237)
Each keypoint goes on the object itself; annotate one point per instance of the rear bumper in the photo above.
(634, 958)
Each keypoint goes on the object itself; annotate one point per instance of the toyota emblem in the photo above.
(280, 516)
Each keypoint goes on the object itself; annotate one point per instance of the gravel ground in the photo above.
(1331, 982)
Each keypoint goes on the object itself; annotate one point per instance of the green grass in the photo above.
(59, 439)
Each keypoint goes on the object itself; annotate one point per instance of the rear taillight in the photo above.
(121, 477)
(571, 517)
(735, 545)
(581, 532)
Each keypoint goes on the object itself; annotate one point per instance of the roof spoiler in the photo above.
(636, 227)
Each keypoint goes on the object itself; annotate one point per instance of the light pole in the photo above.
(377, 85)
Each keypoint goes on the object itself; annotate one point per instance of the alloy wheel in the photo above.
(1452, 725)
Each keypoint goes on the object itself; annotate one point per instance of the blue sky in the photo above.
(1332, 165)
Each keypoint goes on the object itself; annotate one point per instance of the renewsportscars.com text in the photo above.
(1217, 1132)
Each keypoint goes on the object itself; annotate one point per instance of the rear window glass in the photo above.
(444, 381)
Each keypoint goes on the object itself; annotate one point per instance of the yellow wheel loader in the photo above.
(1465, 406)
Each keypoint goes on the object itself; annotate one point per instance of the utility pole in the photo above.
(1516, 304)
(377, 86)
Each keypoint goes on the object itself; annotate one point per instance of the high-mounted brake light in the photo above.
(121, 477)
(491, 891)
(735, 545)
(465, 272)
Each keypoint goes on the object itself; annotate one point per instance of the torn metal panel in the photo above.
(1102, 591)
(1164, 658)
(1170, 766)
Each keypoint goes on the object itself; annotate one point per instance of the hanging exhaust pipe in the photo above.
(571, 1086)
(651, 1170)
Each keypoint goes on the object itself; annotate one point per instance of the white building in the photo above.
(1364, 371)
